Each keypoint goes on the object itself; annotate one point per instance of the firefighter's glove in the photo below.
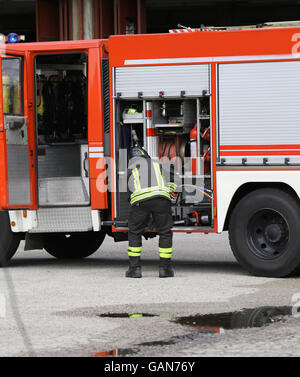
(172, 187)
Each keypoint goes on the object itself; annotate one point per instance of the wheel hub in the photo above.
(274, 233)
(268, 234)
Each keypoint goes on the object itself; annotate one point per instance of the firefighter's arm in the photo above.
(130, 177)
(132, 165)
(129, 182)
(169, 177)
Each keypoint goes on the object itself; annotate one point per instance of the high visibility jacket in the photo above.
(147, 181)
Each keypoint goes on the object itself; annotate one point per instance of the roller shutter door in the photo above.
(172, 80)
(259, 105)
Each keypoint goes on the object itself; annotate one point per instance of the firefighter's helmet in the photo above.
(138, 152)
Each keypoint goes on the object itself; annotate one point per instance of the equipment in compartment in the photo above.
(176, 131)
(175, 116)
(61, 98)
(187, 136)
(200, 164)
(131, 124)
(204, 133)
(62, 120)
(132, 115)
(191, 216)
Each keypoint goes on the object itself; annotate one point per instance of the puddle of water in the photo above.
(172, 340)
(135, 349)
(208, 323)
(127, 315)
(245, 318)
(117, 352)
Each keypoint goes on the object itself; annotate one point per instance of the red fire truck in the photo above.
(227, 100)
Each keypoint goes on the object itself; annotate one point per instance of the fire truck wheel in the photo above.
(9, 241)
(264, 233)
(73, 246)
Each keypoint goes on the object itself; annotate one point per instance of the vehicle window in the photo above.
(12, 73)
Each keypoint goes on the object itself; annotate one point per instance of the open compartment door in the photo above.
(14, 130)
(168, 111)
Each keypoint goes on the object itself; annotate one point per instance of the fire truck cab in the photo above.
(221, 107)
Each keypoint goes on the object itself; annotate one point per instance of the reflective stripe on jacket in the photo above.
(147, 182)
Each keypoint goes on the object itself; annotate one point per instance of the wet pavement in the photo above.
(246, 318)
(83, 308)
(215, 323)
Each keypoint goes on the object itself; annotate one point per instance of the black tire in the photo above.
(9, 241)
(74, 245)
(264, 233)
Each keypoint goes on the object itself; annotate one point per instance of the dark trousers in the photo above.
(160, 209)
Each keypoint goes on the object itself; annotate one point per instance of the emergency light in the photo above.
(13, 38)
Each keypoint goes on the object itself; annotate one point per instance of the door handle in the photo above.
(85, 164)
(14, 122)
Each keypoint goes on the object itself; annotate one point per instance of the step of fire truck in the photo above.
(63, 191)
(68, 219)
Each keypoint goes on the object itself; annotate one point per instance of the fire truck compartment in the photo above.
(172, 124)
(61, 127)
(259, 113)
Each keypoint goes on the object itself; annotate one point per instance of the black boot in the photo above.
(134, 270)
(165, 268)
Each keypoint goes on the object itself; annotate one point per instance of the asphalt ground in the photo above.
(51, 307)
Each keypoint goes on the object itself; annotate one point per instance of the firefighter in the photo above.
(150, 195)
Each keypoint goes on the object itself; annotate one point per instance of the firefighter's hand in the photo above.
(173, 196)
